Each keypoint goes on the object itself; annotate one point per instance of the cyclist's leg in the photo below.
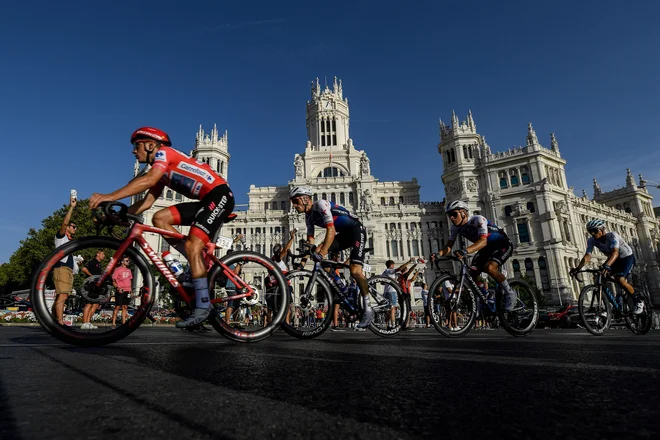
(213, 209)
(357, 245)
(179, 214)
(499, 252)
(621, 269)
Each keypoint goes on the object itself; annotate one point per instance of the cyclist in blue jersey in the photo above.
(492, 245)
(343, 230)
(620, 258)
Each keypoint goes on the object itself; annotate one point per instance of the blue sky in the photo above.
(77, 77)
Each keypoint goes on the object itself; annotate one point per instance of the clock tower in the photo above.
(327, 118)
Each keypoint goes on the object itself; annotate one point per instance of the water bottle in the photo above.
(172, 264)
(482, 286)
(339, 281)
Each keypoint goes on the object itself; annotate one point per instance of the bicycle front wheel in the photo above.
(309, 293)
(390, 307)
(523, 318)
(595, 310)
(103, 305)
(452, 309)
(256, 270)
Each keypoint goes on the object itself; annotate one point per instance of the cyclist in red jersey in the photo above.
(195, 180)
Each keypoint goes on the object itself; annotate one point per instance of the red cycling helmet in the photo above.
(151, 133)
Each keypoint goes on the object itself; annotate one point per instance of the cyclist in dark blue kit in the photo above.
(492, 245)
(343, 230)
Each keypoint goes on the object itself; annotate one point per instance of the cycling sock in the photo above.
(201, 293)
(365, 302)
(506, 286)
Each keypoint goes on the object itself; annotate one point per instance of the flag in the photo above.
(330, 161)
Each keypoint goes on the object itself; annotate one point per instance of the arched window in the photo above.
(283, 205)
(530, 207)
(333, 198)
(525, 177)
(342, 199)
(315, 197)
(382, 201)
(523, 232)
(350, 198)
(507, 211)
(274, 206)
(395, 248)
(514, 180)
(453, 155)
(391, 201)
(178, 197)
(529, 269)
(516, 268)
(324, 196)
(168, 194)
(401, 199)
(503, 182)
(265, 206)
(331, 172)
(545, 278)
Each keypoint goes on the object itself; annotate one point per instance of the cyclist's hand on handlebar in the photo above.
(96, 199)
(573, 272)
(316, 256)
(605, 270)
(461, 253)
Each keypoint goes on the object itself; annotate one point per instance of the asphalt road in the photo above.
(163, 383)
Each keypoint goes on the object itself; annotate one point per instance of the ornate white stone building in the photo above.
(524, 190)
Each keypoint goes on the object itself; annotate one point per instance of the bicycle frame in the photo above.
(318, 269)
(136, 235)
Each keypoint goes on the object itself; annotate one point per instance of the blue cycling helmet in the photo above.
(596, 224)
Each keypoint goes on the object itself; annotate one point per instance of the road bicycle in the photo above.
(598, 305)
(98, 289)
(317, 288)
(452, 303)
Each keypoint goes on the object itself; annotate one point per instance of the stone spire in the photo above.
(630, 180)
(454, 120)
(485, 146)
(470, 121)
(531, 135)
(214, 134)
(584, 194)
(598, 191)
(554, 145)
(316, 89)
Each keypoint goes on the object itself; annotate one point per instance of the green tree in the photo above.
(17, 273)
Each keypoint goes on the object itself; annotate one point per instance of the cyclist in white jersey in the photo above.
(492, 245)
(620, 258)
(343, 230)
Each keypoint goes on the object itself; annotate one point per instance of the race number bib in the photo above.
(224, 242)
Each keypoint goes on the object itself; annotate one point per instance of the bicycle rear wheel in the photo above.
(638, 324)
(381, 288)
(522, 320)
(306, 298)
(452, 311)
(256, 269)
(595, 310)
(44, 299)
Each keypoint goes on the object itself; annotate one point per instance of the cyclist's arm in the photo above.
(447, 249)
(142, 205)
(612, 258)
(135, 186)
(329, 238)
(477, 245)
(86, 271)
(583, 262)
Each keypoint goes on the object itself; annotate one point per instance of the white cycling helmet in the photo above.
(456, 204)
(300, 191)
(595, 224)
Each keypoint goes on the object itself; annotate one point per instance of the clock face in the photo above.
(327, 104)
